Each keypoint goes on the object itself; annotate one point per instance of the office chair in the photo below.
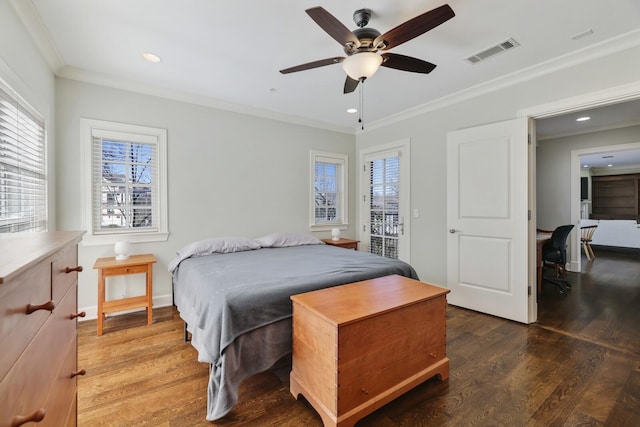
(554, 252)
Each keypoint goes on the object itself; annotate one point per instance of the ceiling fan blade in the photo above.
(414, 27)
(332, 26)
(406, 63)
(350, 85)
(314, 64)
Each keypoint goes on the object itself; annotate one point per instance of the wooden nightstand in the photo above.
(133, 265)
(343, 243)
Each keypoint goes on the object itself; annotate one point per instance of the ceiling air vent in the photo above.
(492, 51)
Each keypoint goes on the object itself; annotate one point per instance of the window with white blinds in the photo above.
(23, 178)
(128, 181)
(384, 203)
(328, 193)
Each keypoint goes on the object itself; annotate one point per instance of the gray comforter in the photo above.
(238, 310)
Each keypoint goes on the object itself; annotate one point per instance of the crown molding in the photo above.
(28, 14)
(100, 79)
(616, 44)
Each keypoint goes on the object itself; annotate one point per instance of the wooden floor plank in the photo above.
(579, 365)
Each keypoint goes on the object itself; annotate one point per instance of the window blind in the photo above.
(125, 182)
(328, 191)
(384, 206)
(23, 179)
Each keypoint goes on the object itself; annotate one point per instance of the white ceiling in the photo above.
(228, 53)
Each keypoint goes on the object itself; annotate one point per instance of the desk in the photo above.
(541, 239)
(133, 265)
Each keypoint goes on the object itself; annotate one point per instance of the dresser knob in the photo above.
(81, 314)
(433, 355)
(49, 306)
(70, 269)
(36, 417)
(80, 372)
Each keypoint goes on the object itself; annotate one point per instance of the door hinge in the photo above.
(364, 168)
(529, 138)
(529, 290)
(529, 214)
(364, 197)
(364, 228)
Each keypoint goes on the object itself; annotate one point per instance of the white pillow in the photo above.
(217, 245)
(283, 240)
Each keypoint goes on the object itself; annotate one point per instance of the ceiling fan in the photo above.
(362, 44)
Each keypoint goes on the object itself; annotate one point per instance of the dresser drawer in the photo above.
(63, 392)
(64, 271)
(26, 386)
(16, 326)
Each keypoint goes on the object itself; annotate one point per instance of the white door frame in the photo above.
(402, 146)
(627, 92)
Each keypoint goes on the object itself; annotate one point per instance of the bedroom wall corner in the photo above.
(229, 174)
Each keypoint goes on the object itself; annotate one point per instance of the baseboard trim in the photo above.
(615, 249)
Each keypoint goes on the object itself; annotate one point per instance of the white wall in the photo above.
(228, 174)
(428, 134)
(553, 158)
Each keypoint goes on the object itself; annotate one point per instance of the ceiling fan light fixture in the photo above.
(362, 65)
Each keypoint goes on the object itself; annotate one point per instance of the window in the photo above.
(329, 190)
(125, 182)
(23, 178)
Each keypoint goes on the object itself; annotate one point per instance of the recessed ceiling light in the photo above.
(609, 166)
(151, 57)
(585, 166)
(583, 119)
(352, 110)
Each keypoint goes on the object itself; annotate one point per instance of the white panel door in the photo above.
(487, 216)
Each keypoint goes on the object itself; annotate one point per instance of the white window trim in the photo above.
(87, 127)
(336, 158)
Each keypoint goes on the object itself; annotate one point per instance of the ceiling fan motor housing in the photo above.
(361, 17)
(366, 37)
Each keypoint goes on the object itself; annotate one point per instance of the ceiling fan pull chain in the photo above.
(361, 119)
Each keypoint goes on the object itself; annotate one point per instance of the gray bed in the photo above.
(237, 308)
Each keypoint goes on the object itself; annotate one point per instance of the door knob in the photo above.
(453, 230)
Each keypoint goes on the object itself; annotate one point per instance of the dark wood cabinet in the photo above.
(615, 197)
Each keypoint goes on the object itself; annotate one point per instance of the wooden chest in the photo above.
(38, 315)
(357, 347)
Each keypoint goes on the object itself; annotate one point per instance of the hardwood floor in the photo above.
(579, 365)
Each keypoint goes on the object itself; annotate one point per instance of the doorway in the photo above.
(569, 212)
(384, 191)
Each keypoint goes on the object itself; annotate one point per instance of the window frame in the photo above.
(119, 131)
(341, 160)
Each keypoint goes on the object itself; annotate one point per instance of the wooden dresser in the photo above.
(356, 347)
(38, 328)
